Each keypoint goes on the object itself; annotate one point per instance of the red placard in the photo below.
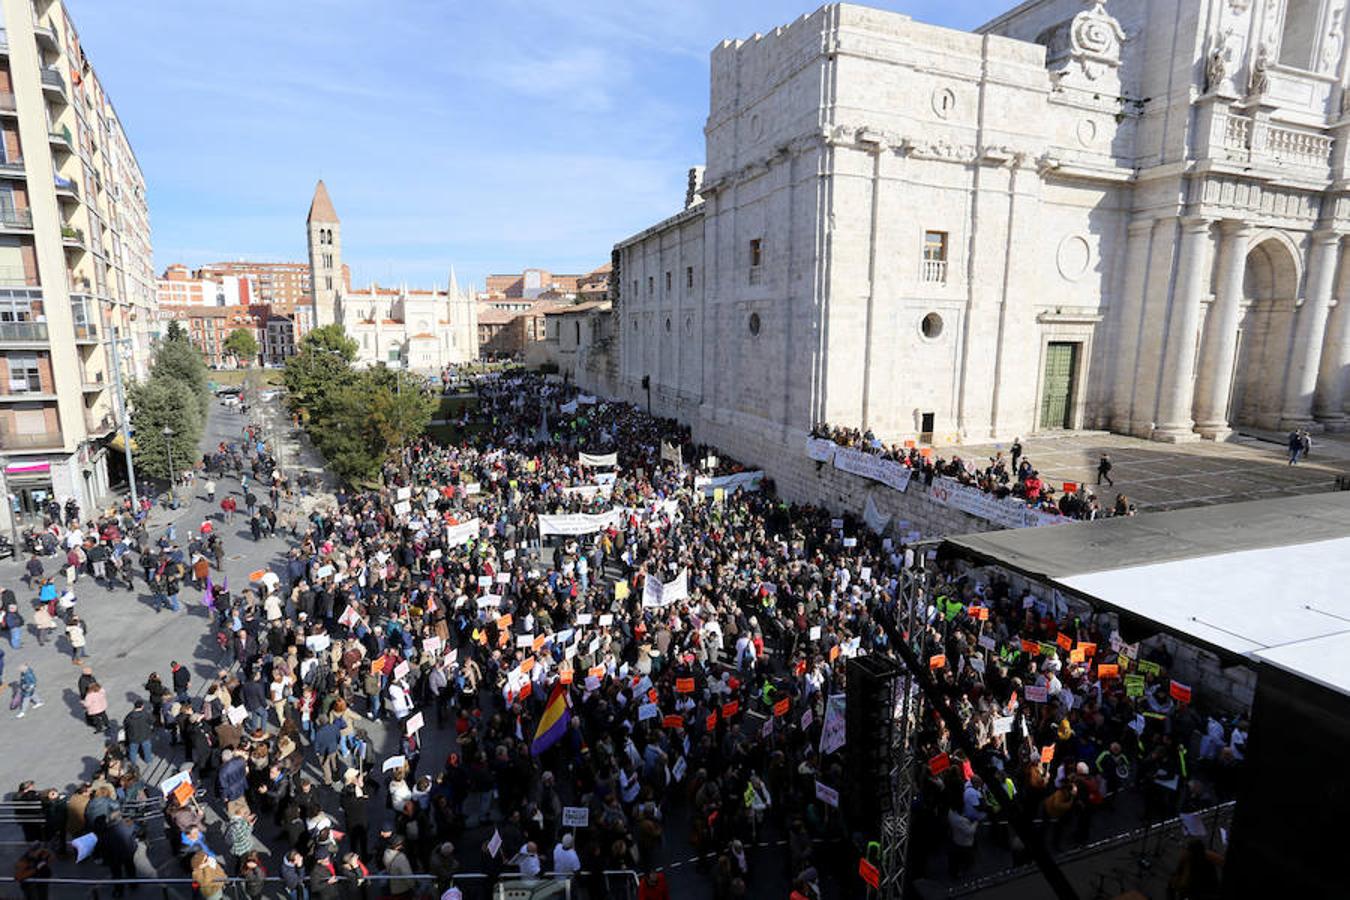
(1107, 670)
(979, 613)
(1032, 647)
(652, 695)
(1048, 754)
(1065, 642)
(1070, 487)
(936, 662)
(711, 722)
(1089, 649)
(939, 764)
(782, 706)
(684, 685)
(868, 872)
(565, 676)
(730, 709)
(672, 722)
(1180, 692)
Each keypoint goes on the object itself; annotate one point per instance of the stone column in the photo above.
(1330, 403)
(1214, 379)
(1127, 332)
(1173, 423)
(1309, 330)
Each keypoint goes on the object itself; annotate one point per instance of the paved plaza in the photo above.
(1160, 477)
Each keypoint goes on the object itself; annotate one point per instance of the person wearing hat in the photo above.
(400, 884)
(323, 876)
(565, 859)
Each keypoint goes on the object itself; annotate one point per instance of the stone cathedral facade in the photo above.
(1125, 215)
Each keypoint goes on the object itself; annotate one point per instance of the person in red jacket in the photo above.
(653, 886)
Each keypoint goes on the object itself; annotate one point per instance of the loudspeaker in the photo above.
(869, 741)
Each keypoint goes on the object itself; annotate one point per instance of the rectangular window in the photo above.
(756, 253)
(667, 282)
(24, 375)
(689, 277)
(935, 257)
(651, 285)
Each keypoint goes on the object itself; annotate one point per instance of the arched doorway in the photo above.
(1270, 287)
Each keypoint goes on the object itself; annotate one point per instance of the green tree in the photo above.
(175, 331)
(400, 408)
(243, 345)
(157, 403)
(179, 361)
(321, 367)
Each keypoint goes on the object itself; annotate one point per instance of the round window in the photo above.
(754, 323)
(667, 325)
(931, 326)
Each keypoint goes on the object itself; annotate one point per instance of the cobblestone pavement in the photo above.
(1171, 476)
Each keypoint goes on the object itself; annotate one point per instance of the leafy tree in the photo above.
(179, 361)
(400, 408)
(175, 331)
(243, 345)
(157, 403)
(322, 365)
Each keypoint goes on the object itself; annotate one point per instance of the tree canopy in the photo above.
(157, 403)
(243, 345)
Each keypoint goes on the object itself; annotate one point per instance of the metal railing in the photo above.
(935, 271)
(17, 276)
(16, 218)
(70, 233)
(52, 78)
(39, 440)
(23, 331)
(12, 165)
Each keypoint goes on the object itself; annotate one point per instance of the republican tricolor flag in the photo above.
(553, 723)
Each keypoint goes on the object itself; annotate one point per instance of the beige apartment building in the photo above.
(75, 262)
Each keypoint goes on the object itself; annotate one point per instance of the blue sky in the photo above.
(493, 135)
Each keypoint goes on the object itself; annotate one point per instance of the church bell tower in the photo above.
(325, 256)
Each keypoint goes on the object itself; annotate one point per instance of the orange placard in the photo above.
(257, 576)
(504, 620)
(527, 665)
(503, 638)
(834, 653)
(979, 613)
(1032, 647)
(909, 445)
(652, 695)
(782, 706)
(183, 793)
(1105, 671)
(1064, 641)
(1089, 649)
(937, 661)
(1077, 656)
(1048, 754)
(684, 685)
(539, 642)
(596, 671)
(672, 722)
(730, 709)
(711, 722)
(565, 676)
(926, 452)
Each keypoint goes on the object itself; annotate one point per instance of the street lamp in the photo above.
(168, 450)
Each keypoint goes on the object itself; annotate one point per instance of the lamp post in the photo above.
(168, 450)
(9, 505)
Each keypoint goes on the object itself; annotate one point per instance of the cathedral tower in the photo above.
(325, 256)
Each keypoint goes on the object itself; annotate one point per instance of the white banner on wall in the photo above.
(875, 519)
(747, 480)
(868, 465)
(820, 449)
(1009, 512)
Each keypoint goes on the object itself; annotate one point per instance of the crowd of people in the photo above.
(1009, 474)
(631, 672)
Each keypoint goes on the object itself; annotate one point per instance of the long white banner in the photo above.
(874, 518)
(820, 449)
(656, 594)
(1009, 513)
(747, 480)
(604, 459)
(868, 465)
(578, 523)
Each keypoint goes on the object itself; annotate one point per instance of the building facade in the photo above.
(178, 287)
(75, 261)
(1084, 215)
(423, 330)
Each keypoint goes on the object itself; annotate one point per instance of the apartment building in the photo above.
(75, 261)
(180, 287)
(208, 327)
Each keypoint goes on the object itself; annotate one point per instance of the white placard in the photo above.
(167, 785)
(404, 493)
(584, 618)
(606, 620)
(472, 488)
(525, 640)
(987, 642)
(576, 816)
(435, 554)
(485, 581)
(814, 633)
(494, 844)
(392, 763)
(318, 642)
(807, 718)
(508, 555)
(431, 644)
(403, 508)
(677, 771)
(827, 795)
(324, 571)
(414, 723)
(1035, 693)
(401, 670)
(1002, 725)
(236, 715)
(648, 711)
(503, 577)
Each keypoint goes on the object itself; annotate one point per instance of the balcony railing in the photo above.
(52, 79)
(61, 136)
(935, 271)
(47, 33)
(12, 167)
(34, 441)
(86, 331)
(16, 218)
(67, 186)
(96, 424)
(16, 276)
(74, 235)
(27, 332)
